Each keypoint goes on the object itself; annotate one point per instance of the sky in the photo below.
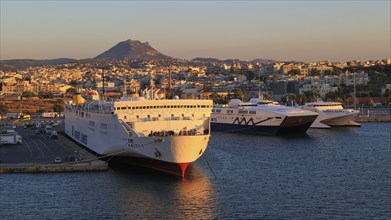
(281, 30)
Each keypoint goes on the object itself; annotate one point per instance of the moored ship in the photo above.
(331, 114)
(165, 134)
(260, 117)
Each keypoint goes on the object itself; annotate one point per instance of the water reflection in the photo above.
(150, 194)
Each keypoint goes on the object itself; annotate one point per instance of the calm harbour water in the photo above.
(342, 173)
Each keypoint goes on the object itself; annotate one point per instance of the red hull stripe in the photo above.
(177, 169)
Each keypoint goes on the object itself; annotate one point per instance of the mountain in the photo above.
(206, 60)
(26, 63)
(132, 49)
(262, 61)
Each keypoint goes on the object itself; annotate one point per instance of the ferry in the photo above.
(260, 117)
(331, 114)
(161, 134)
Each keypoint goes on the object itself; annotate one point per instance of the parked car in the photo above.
(57, 160)
(72, 158)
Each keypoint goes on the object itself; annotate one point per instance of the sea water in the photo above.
(339, 173)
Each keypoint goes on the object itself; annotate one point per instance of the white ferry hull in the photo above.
(328, 120)
(107, 135)
(267, 126)
(331, 114)
(256, 119)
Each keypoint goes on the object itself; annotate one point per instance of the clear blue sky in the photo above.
(282, 30)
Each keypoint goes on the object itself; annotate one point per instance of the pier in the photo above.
(374, 115)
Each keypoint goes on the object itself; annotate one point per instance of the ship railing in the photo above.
(167, 119)
(183, 132)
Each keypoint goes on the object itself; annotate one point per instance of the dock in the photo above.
(362, 119)
(38, 151)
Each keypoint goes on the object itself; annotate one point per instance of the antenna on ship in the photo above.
(103, 83)
(259, 84)
(151, 85)
(125, 92)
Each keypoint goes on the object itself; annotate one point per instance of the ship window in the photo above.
(172, 115)
(123, 108)
(82, 114)
(160, 115)
(213, 110)
(243, 112)
(148, 116)
(252, 112)
(124, 116)
(137, 116)
(278, 117)
(218, 110)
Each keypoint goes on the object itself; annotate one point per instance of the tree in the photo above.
(294, 72)
(28, 94)
(332, 96)
(240, 94)
(339, 99)
(71, 91)
(309, 95)
(250, 75)
(58, 107)
(371, 103)
(3, 110)
(302, 99)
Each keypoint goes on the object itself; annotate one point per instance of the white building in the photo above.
(318, 88)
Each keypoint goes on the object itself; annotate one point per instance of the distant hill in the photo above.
(26, 63)
(262, 61)
(230, 61)
(206, 60)
(132, 49)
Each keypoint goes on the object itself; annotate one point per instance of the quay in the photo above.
(62, 167)
(38, 152)
(374, 115)
(362, 119)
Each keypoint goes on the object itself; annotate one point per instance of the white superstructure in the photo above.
(260, 117)
(165, 135)
(331, 114)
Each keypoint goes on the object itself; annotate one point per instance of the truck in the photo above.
(49, 114)
(14, 115)
(52, 114)
(10, 139)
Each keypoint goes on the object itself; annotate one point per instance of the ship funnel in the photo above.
(77, 99)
